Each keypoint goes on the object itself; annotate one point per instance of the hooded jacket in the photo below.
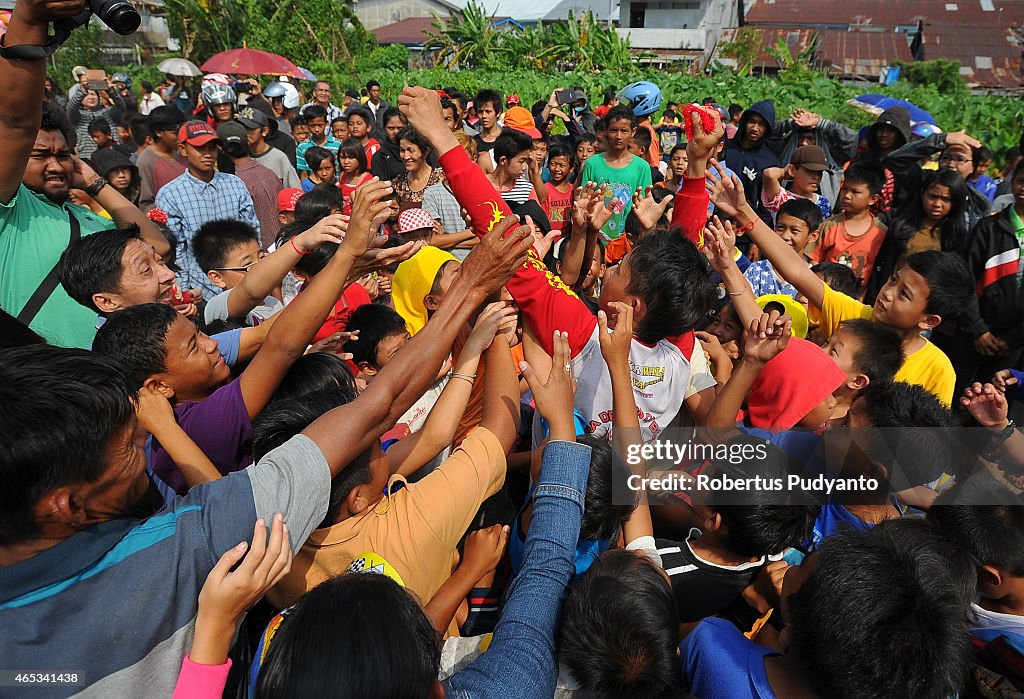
(896, 117)
(387, 163)
(748, 164)
(993, 255)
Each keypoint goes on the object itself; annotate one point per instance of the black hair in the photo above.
(1012, 153)
(1017, 169)
(839, 277)
(298, 120)
(375, 323)
(642, 137)
(340, 119)
(314, 111)
(314, 261)
(92, 264)
(363, 113)
(804, 210)
(316, 204)
(620, 113)
(99, 126)
(674, 279)
(315, 156)
(867, 173)
(491, 97)
(735, 110)
(761, 522)
(354, 149)
(413, 136)
(981, 154)
(561, 150)
(138, 126)
(14, 333)
(675, 149)
(908, 426)
(165, 118)
(987, 519)
(322, 647)
(448, 103)
(372, 84)
(950, 284)
(893, 576)
(880, 354)
(313, 372)
(215, 239)
(134, 338)
(59, 410)
(603, 512)
(619, 627)
(600, 126)
(392, 112)
(586, 138)
(511, 143)
(953, 228)
(53, 120)
(146, 85)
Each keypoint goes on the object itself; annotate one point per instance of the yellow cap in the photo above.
(412, 283)
(371, 562)
(795, 310)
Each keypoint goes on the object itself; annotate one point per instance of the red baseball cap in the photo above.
(196, 133)
(287, 198)
(520, 119)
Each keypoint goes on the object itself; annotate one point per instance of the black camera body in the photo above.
(120, 15)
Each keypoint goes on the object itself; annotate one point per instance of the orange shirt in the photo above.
(856, 252)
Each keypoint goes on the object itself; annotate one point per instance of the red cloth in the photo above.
(791, 385)
(352, 298)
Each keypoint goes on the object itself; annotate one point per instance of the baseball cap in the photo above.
(809, 157)
(414, 220)
(520, 119)
(287, 198)
(232, 132)
(196, 133)
(253, 118)
(514, 99)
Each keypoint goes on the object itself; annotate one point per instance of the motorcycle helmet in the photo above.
(122, 78)
(291, 96)
(274, 89)
(642, 97)
(214, 94)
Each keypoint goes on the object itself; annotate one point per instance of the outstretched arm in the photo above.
(21, 85)
(344, 433)
(690, 210)
(727, 193)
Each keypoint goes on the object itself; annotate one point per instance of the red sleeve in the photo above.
(546, 302)
(690, 212)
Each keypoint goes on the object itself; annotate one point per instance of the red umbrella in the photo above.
(251, 62)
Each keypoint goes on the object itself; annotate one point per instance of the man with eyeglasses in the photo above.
(959, 157)
(37, 172)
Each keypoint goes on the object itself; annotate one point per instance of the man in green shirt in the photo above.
(617, 171)
(37, 172)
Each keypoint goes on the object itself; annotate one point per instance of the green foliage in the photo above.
(470, 41)
(744, 49)
(205, 27)
(81, 49)
(307, 31)
(391, 57)
(943, 74)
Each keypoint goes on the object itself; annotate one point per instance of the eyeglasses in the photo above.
(958, 161)
(243, 269)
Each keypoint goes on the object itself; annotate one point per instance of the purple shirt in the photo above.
(219, 425)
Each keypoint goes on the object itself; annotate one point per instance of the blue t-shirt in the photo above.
(832, 519)
(719, 662)
(763, 280)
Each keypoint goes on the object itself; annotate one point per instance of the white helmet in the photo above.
(291, 96)
(216, 79)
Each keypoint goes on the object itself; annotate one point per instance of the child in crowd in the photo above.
(586, 148)
(286, 201)
(321, 167)
(640, 146)
(854, 236)
(339, 128)
(929, 287)
(354, 171)
(804, 173)
(618, 171)
(513, 152)
(360, 124)
(798, 223)
(300, 129)
(676, 168)
(558, 203)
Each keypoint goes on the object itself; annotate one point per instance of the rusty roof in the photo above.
(884, 14)
(862, 53)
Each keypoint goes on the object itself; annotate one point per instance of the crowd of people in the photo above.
(371, 399)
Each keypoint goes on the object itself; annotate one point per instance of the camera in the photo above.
(120, 15)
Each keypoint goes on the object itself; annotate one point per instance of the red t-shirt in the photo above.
(352, 298)
(558, 207)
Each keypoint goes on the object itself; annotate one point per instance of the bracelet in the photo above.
(96, 187)
(296, 247)
(466, 377)
(745, 228)
(998, 439)
(737, 293)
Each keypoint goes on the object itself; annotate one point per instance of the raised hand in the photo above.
(726, 192)
(422, 107)
(960, 138)
(542, 243)
(805, 119)
(1004, 380)
(703, 143)
(497, 257)
(489, 324)
(330, 229)
(987, 405)
(369, 211)
(484, 550)
(555, 395)
(767, 336)
(334, 344)
(376, 259)
(153, 410)
(719, 241)
(616, 343)
(648, 211)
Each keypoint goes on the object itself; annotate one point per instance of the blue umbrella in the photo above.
(876, 104)
(307, 74)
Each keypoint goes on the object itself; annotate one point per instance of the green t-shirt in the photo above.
(1018, 229)
(33, 233)
(618, 182)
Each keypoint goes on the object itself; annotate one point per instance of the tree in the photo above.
(205, 27)
(745, 49)
(465, 41)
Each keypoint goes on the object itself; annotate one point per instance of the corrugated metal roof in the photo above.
(862, 53)
(883, 14)
(411, 31)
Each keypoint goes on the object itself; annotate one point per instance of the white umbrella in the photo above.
(180, 66)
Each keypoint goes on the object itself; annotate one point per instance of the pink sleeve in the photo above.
(546, 302)
(781, 198)
(197, 681)
(690, 212)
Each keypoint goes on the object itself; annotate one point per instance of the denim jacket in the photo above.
(521, 662)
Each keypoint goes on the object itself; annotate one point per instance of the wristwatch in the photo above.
(96, 187)
(997, 440)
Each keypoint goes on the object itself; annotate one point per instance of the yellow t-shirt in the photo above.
(928, 367)
(416, 529)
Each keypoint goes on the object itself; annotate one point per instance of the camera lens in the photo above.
(119, 15)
